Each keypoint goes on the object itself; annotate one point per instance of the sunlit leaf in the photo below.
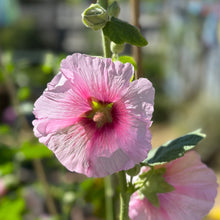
(34, 151)
(128, 59)
(174, 149)
(6, 168)
(11, 209)
(121, 32)
(23, 93)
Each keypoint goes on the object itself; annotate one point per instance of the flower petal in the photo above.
(139, 99)
(58, 107)
(69, 146)
(195, 190)
(128, 138)
(62, 123)
(108, 78)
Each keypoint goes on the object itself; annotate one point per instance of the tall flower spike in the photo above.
(94, 120)
(195, 189)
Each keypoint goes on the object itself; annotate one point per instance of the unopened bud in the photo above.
(95, 17)
(69, 197)
(116, 48)
(113, 9)
(134, 171)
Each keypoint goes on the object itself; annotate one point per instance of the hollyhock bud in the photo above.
(116, 48)
(95, 17)
(134, 171)
(113, 9)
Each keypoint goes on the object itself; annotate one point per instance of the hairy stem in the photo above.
(108, 198)
(124, 196)
(106, 46)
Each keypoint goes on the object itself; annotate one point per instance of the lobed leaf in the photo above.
(173, 149)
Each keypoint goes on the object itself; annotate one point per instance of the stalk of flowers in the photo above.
(93, 118)
(192, 189)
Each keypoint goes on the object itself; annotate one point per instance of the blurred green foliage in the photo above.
(11, 209)
(20, 35)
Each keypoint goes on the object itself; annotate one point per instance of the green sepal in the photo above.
(173, 149)
(121, 32)
(152, 183)
(113, 9)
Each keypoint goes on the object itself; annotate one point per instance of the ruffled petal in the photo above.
(139, 99)
(97, 77)
(195, 190)
(58, 107)
(69, 146)
(137, 208)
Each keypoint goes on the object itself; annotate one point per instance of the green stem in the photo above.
(108, 198)
(105, 40)
(124, 196)
(106, 46)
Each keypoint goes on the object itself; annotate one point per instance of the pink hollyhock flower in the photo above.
(195, 190)
(93, 119)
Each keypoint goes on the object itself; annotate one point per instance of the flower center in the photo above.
(101, 113)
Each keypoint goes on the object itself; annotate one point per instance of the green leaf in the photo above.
(128, 59)
(173, 149)
(23, 93)
(6, 168)
(4, 129)
(6, 154)
(34, 151)
(48, 63)
(11, 209)
(121, 32)
(152, 183)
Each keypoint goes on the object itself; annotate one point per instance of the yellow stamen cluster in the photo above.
(101, 113)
